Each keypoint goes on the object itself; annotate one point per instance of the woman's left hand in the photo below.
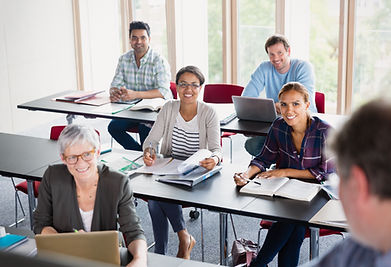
(208, 163)
(272, 173)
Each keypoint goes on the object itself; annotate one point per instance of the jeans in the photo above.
(254, 145)
(118, 130)
(282, 238)
(161, 213)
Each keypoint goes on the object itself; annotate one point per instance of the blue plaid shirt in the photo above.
(154, 73)
(279, 149)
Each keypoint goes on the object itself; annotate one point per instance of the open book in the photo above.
(331, 214)
(283, 187)
(153, 104)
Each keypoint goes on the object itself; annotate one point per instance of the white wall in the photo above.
(37, 54)
(36, 57)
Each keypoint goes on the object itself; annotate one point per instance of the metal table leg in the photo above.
(223, 238)
(314, 242)
(31, 199)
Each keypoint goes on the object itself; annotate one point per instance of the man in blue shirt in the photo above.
(141, 73)
(272, 75)
(362, 148)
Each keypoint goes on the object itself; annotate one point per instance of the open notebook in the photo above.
(283, 187)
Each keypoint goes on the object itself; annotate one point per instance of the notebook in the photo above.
(254, 108)
(99, 246)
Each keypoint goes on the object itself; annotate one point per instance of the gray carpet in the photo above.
(246, 227)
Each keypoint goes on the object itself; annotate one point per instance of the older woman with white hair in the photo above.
(84, 195)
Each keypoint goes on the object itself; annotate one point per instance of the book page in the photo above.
(298, 190)
(153, 104)
(160, 164)
(267, 188)
(194, 160)
(331, 214)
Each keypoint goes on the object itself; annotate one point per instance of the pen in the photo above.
(248, 180)
(151, 151)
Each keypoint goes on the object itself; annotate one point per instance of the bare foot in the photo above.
(185, 247)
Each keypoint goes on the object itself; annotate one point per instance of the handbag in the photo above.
(243, 250)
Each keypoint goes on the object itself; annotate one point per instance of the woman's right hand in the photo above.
(149, 156)
(241, 178)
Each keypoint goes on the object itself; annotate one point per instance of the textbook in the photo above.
(9, 241)
(192, 178)
(153, 104)
(331, 214)
(283, 187)
(85, 97)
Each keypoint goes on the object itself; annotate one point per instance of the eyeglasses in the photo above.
(86, 156)
(184, 85)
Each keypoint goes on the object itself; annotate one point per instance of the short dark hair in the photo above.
(296, 86)
(275, 39)
(139, 25)
(191, 69)
(365, 141)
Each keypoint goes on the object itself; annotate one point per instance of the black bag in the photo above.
(243, 250)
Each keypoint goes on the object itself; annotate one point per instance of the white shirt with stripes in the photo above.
(185, 137)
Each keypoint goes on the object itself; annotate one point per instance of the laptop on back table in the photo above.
(254, 108)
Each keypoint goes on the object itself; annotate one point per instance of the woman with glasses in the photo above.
(183, 126)
(80, 195)
(295, 143)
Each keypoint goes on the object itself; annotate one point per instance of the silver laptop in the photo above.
(99, 246)
(254, 108)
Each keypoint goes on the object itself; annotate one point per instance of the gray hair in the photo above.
(365, 141)
(76, 134)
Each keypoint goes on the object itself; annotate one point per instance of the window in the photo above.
(372, 45)
(153, 12)
(256, 24)
(215, 39)
(323, 46)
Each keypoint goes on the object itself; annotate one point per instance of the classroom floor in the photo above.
(246, 227)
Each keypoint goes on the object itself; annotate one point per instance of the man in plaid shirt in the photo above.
(141, 73)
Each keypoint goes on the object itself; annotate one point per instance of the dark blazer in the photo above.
(58, 206)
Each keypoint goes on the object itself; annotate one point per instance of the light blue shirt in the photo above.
(267, 77)
(153, 73)
(350, 253)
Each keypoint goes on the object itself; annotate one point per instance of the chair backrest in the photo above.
(55, 132)
(173, 90)
(221, 93)
(320, 102)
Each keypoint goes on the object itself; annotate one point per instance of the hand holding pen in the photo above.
(149, 155)
(241, 179)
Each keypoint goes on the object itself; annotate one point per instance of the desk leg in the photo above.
(223, 238)
(31, 199)
(314, 242)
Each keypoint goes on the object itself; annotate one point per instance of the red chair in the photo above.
(55, 132)
(222, 94)
(320, 102)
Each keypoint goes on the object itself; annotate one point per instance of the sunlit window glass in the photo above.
(372, 46)
(256, 24)
(153, 12)
(215, 38)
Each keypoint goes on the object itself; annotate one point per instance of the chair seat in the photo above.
(265, 224)
(227, 134)
(23, 187)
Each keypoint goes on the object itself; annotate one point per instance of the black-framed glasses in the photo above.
(184, 85)
(86, 156)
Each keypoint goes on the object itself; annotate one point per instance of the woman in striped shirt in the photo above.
(184, 126)
(295, 142)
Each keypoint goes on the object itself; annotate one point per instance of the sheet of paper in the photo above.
(331, 214)
(112, 108)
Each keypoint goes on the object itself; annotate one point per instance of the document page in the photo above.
(194, 160)
(299, 190)
(161, 164)
(331, 214)
(268, 186)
